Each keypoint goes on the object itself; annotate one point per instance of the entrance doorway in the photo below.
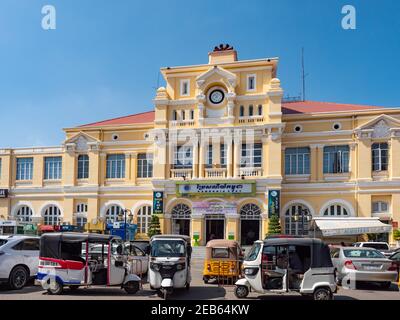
(215, 227)
(181, 215)
(250, 217)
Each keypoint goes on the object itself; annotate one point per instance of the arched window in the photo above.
(81, 214)
(296, 220)
(52, 216)
(251, 110)
(260, 110)
(336, 210)
(250, 211)
(81, 208)
(181, 211)
(143, 219)
(113, 212)
(24, 214)
(241, 111)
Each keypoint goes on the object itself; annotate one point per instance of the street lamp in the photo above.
(302, 213)
(124, 212)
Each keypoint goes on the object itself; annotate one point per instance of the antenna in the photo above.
(303, 75)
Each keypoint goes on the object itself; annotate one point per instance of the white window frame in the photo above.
(296, 158)
(53, 168)
(52, 216)
(249, 76)
(336, 206)
(247, 155)
(113, 212)
(181, 160)
(24, 169)
(144, 165)
(24, 213)
(184, 82)
(115, 167)
(143, 218)
(84, 161)
(379, 204)
(379, 165)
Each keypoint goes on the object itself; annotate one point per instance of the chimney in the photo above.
(224, 53)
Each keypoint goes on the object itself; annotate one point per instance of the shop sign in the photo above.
(274, 202)
(8, 223)
(214, 208)
(158, 202)
(3, 193)
(215, 188)
(355, 231)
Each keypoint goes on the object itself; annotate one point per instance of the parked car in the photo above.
(19, 260)
(383, 247)
(363, 264)
(395, 257)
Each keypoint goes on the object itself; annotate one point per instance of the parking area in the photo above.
(198, 291)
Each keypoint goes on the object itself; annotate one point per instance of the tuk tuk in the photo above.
(84, 259)
(169, 261)
(223, 261)
(282, 265)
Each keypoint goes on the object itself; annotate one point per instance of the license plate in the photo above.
(371, 267)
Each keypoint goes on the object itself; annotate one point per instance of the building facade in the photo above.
(221, 152)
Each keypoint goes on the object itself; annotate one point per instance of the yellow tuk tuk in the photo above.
(223, 261)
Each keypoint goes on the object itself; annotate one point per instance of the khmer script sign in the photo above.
(215, 188)
(214, 208)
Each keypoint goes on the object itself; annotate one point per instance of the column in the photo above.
(229, 157)
(364, 158)
(197, 229)
(134, 167)
(95, 167)
(7, 174)
(38, 171)
(363, 205)
(265, 160)
(264, 225)
(353, 162)
(202, 157)
(394, 154)
(68, 209)
(69, 169)
(395, 206)
(160, 156)
(320, 162)
(232, 227)
(195, 158)
(313, 163)
(272, 155)
(102, 168)
(236, 157)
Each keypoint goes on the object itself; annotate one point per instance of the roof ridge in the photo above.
(338, 103)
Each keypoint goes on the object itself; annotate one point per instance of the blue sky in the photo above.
(102, 61)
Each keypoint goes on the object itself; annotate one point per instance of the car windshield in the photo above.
(377, 246)
(356, 253)
(253, 253)
(220, 253)
(3, 242)
(168, 248)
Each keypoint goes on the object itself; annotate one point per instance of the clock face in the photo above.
(217, 96)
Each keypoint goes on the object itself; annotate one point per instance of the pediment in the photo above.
(380, 127)
(81, 142)
(217, 73)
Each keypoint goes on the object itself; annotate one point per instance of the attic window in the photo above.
(337, 126)
(251, 82)
(115, 137)
(185, 87)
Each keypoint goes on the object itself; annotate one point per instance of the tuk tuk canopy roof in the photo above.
(50, 243)
(213, 246)
(171, 236)
(221, 243)
(320, 253)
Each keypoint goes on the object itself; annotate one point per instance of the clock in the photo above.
(217, 96)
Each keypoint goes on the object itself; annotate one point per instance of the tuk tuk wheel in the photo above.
(187, 287)
(131, 287)
(322, 294)
(55, 289)
(73, 288)
(241, 292)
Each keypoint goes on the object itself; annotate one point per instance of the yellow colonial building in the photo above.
(220, 154)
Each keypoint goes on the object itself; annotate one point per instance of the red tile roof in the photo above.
(288, 108)
(316, 107)
(144, 117)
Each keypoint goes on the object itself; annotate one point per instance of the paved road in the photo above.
(198, 291)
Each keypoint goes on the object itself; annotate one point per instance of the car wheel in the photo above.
(241, 292)
(131, 287)
(55, 288)
(18, 278)
(206, 280)
(322, 294)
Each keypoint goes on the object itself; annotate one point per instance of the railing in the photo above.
(215, 172)
(182, 123)
(252, 119)
(251, 172)
(180, 173)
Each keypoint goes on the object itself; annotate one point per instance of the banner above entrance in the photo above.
(215, 188)
(207, 208)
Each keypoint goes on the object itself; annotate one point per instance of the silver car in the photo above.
(362, 264)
